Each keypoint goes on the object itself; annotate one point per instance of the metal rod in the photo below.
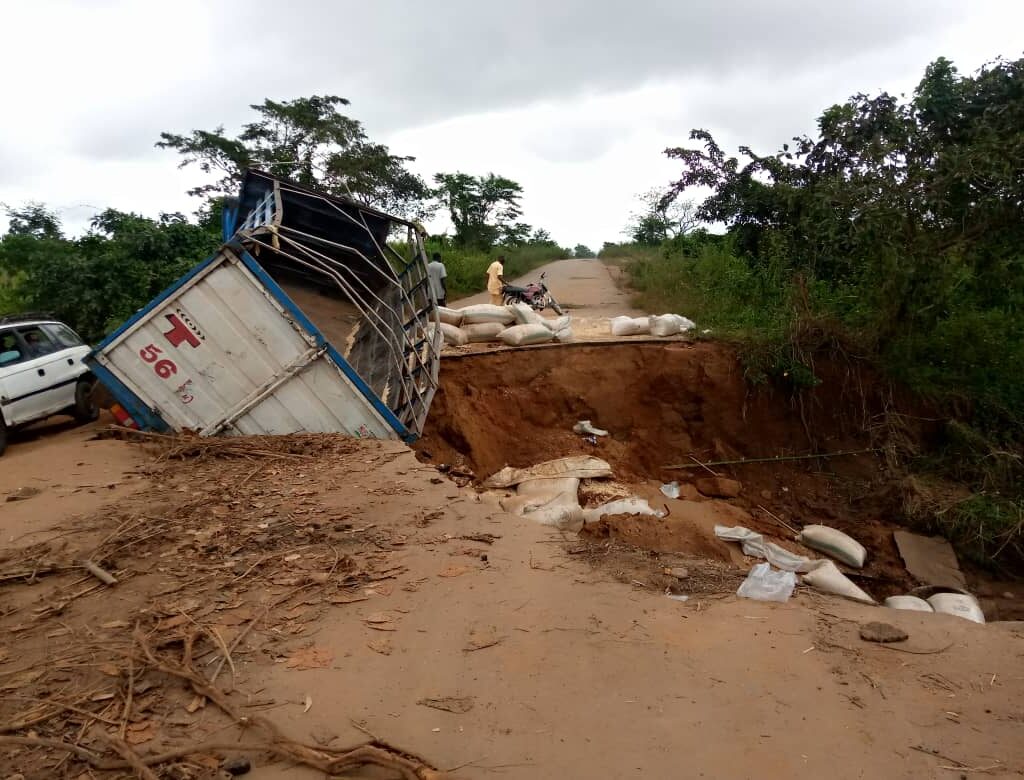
(777, 458)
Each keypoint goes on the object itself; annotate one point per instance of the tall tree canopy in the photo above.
(918, 204)
(483, 209)
(96, 281)
(311, 142)
(662, 216)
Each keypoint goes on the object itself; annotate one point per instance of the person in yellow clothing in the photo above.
(494, 280)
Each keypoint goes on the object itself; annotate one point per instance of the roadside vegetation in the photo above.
(96, 280)
(894, 237)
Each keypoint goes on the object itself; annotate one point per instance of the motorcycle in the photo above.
(535, 295)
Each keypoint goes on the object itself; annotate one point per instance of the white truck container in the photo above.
(230, 349)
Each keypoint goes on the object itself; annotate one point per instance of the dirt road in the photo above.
(357, 589)
(554, 667)
(585, 287)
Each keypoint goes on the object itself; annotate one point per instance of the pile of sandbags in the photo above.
(548, 492)
(656, 325)
(516, 325)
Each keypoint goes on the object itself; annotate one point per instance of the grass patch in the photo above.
(467, 268)
(969, 364)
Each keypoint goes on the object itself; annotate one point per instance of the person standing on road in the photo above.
(437, 273)
(495, 280)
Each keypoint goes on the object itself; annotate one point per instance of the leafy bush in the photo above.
(897, 229)
(97, 281)
(467, 268)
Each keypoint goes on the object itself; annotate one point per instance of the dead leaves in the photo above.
(459, 705)
(480, 537)
(312, 657)
(138, 733)
(347, 598)
(381, 621)
(382, 646)
(454, 570)
(173, 622)
(22, 680)
(482, 638)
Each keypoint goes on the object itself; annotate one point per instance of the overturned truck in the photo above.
(314, 315)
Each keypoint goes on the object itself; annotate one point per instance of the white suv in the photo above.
(42, 373)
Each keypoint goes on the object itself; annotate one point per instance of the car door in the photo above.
(35, 388)
(68, 363)
(17, 381)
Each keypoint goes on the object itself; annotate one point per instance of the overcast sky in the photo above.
(575, 100)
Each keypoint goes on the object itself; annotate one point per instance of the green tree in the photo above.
(311, 142)
(483, 209)
(662, 216)
(33, 219)
(516, 234)
(97, 281)
(918, 204)
(542, 237)
(583, 251)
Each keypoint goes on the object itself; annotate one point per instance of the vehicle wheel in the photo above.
(86, 408)
(508, 300)
(3, 436)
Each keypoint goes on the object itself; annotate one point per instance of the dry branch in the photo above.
(131, 757)
(99, 573)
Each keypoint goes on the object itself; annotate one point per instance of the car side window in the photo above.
(36, 342)
(10, 349)
(62, 334)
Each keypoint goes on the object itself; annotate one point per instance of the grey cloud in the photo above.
(426, 61)
(573, 142)
(406, 64)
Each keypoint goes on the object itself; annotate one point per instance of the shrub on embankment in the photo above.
(968, 366)
(894, 237)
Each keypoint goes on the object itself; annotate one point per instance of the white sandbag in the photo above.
(827, 577)
(579, 466)
(453, 336)
(564, 336)
(486, 312)
(450, 316)
(669, 325)
(621, 506)
(524, 314)
(548, 502)
(483, 331)
(765, 584)
(834, 542)
(912, 603)
(522, 335)
(664, 325)
(630, 326)
(556, 324)
(960, 604)
(755, 545)
(586, 428)
(547, 488)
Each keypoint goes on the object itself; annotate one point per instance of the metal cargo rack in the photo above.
(363, 263)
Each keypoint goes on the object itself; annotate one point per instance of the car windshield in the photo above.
(62, 334)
